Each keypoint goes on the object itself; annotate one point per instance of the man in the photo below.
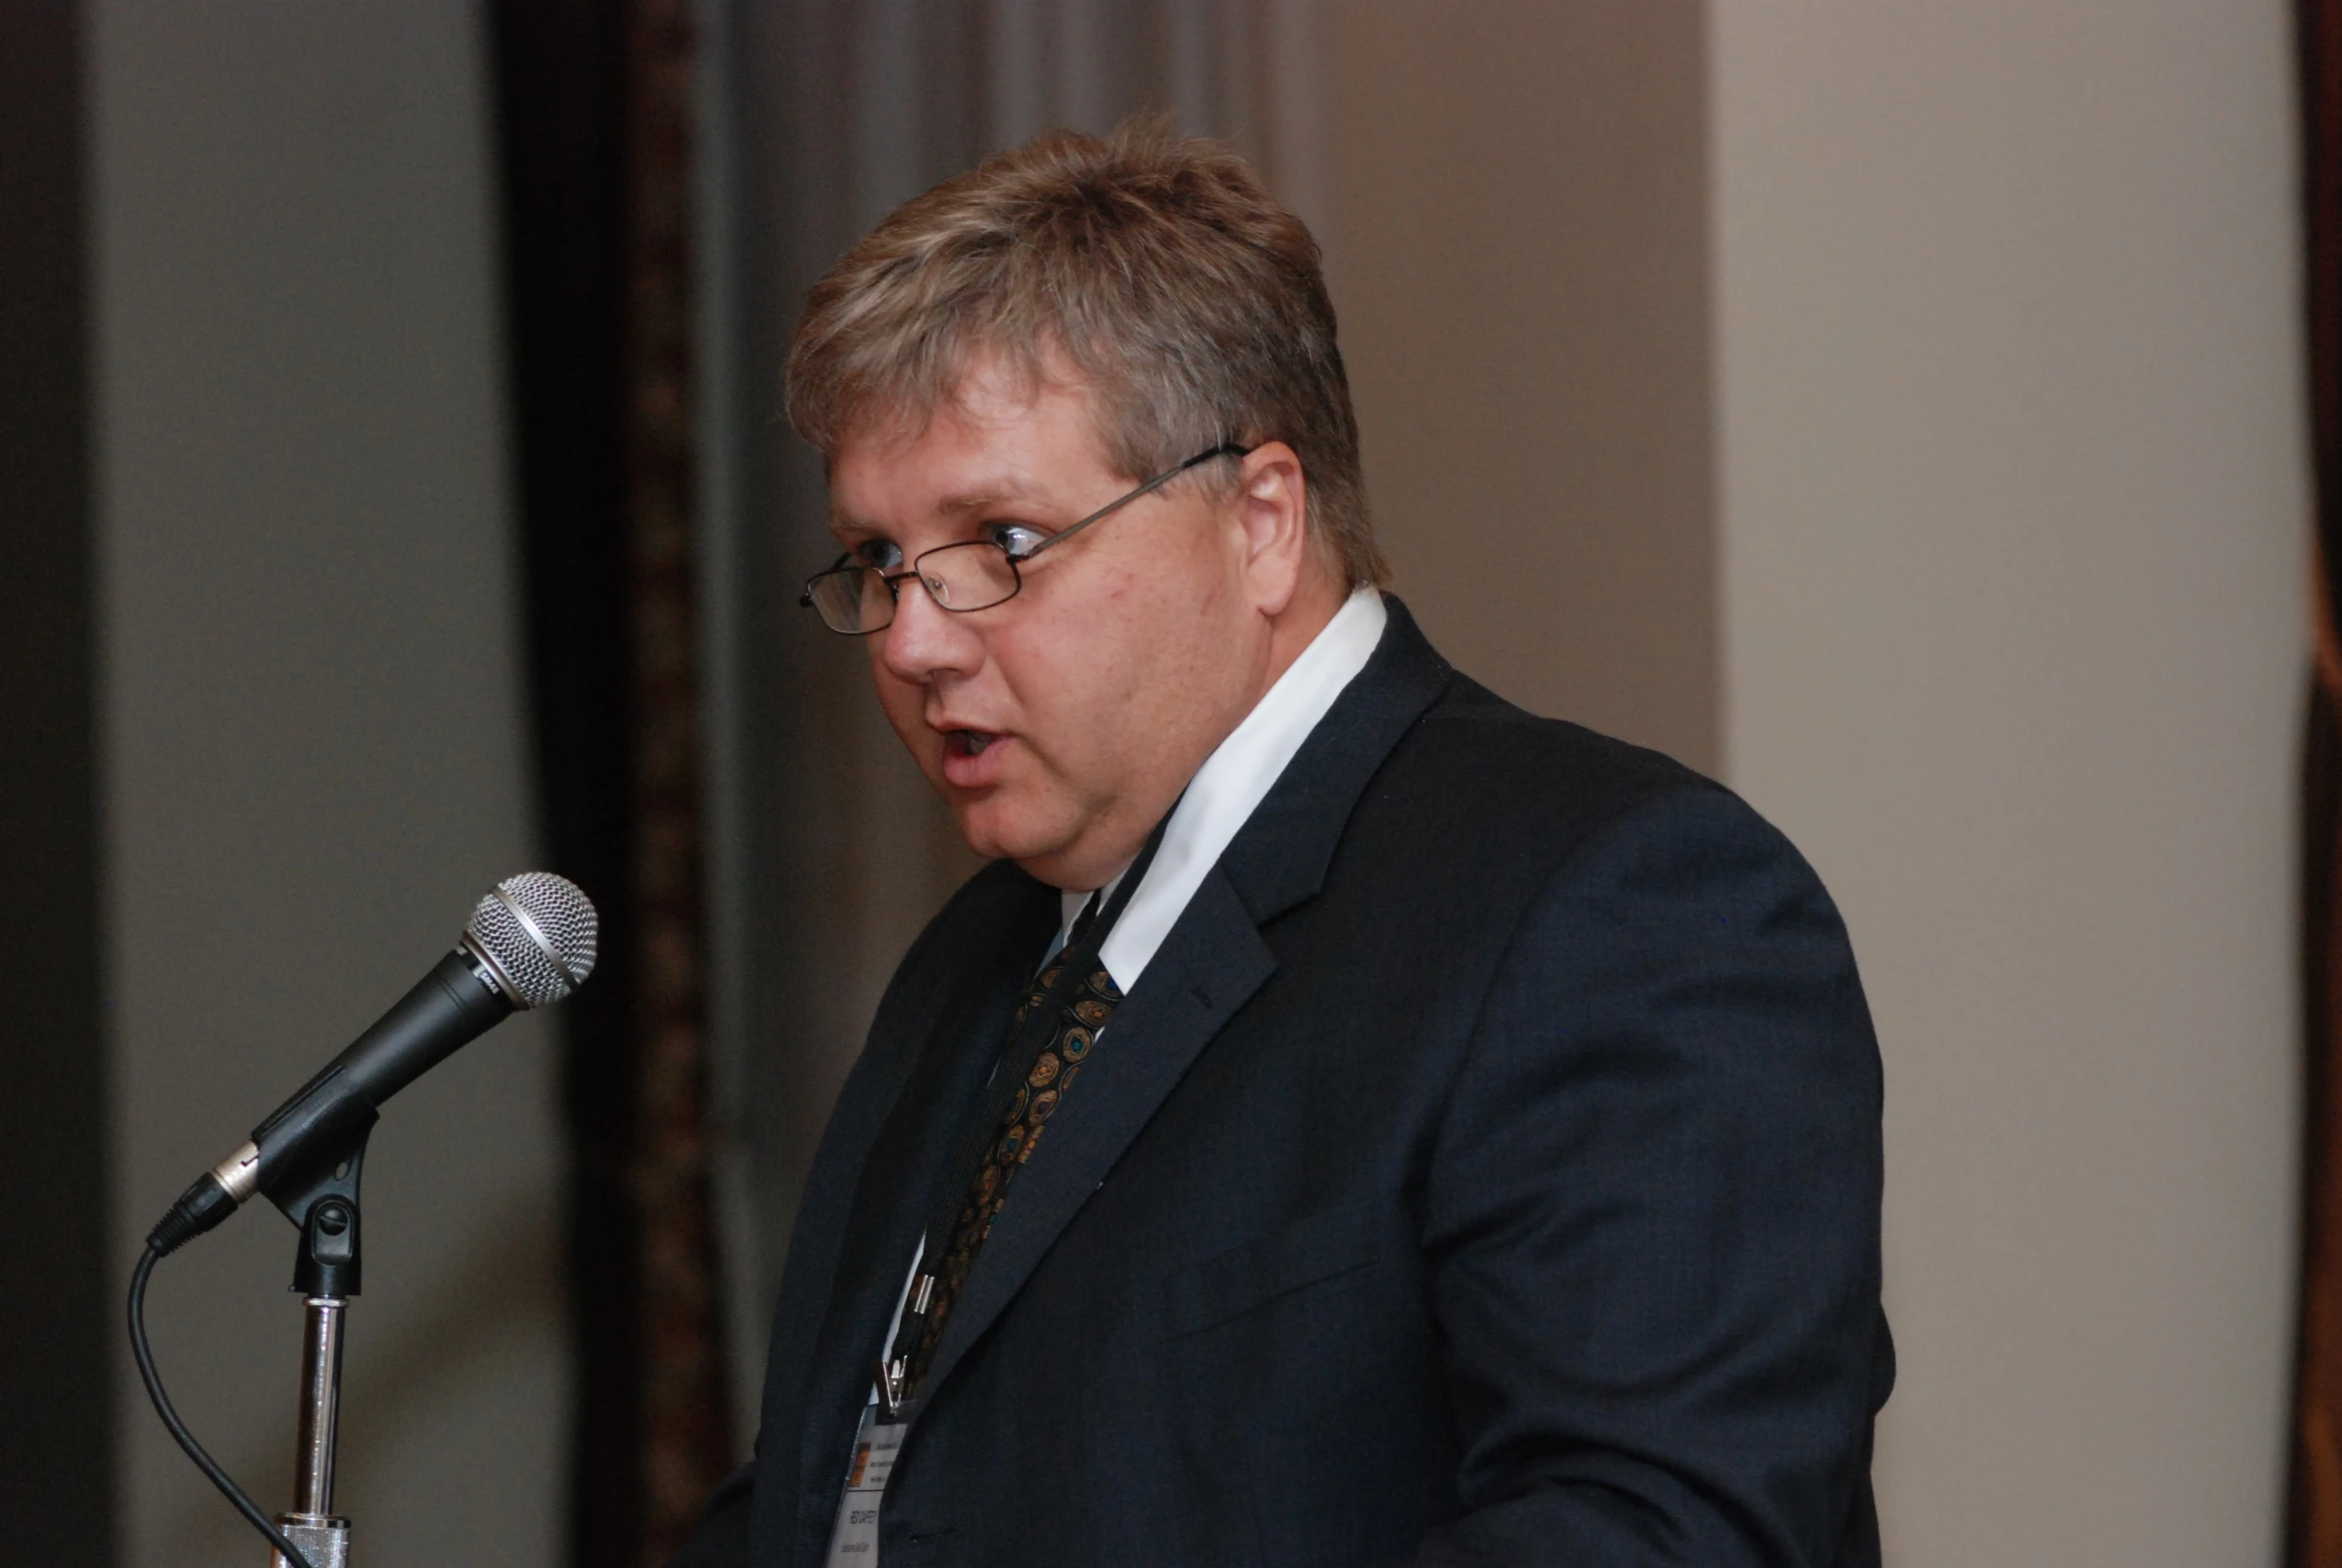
(1352, 1120)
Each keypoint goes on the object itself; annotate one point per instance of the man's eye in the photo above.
(1015, 538)
(885, 554)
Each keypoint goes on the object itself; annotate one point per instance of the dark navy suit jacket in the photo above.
(1485, 1169)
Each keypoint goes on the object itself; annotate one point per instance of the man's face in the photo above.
(1059, 726)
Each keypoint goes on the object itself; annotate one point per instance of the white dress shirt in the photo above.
(1232, 781)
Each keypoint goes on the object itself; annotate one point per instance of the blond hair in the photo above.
(1174, 287)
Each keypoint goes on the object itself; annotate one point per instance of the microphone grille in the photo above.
(540, 930)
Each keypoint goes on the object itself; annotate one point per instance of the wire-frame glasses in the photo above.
(974, 574)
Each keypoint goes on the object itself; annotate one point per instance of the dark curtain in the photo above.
(58, 1319)
(594, 121)
(2314, 1525)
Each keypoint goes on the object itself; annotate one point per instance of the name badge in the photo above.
(876, 1442)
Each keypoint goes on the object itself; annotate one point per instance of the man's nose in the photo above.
(926, 640)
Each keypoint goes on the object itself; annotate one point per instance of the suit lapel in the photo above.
(1207, 968)
(898, 1174)
(1210, 966)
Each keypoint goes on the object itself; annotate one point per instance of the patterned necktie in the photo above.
(1082, 1010)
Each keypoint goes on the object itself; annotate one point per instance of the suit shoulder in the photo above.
(1509, 772)
(1521, 793)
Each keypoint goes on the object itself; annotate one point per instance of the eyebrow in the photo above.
(983, 498)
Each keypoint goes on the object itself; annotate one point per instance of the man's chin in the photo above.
(996, 830)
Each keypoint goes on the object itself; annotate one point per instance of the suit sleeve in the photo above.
(1651, 1215)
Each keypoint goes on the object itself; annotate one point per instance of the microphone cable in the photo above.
(143, 1353)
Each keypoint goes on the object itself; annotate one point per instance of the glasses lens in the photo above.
(971, 576)
(852, 600)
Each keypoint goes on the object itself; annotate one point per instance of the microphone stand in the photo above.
(325, 1275)
(305, 1158)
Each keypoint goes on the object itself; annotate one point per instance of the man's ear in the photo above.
(1272, 505)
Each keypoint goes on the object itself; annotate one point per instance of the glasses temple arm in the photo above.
(1224, 449)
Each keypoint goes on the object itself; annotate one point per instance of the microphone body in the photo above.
(447, 1010)
(529, 941)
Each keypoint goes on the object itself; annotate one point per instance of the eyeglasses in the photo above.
(973, 574)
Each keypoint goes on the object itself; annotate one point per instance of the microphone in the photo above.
(529, 943)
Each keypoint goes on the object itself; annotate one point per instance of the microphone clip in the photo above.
(328, 1264)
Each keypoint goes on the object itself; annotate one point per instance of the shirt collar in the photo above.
(1232, 782)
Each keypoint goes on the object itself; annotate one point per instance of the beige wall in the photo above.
(1516, 239)
(2012, 528)
(314, 746)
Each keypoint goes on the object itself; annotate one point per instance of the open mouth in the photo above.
(968, 742)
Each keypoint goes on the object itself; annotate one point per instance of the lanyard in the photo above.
(900, 1374)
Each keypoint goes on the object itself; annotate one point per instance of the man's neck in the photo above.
(1317, 601)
